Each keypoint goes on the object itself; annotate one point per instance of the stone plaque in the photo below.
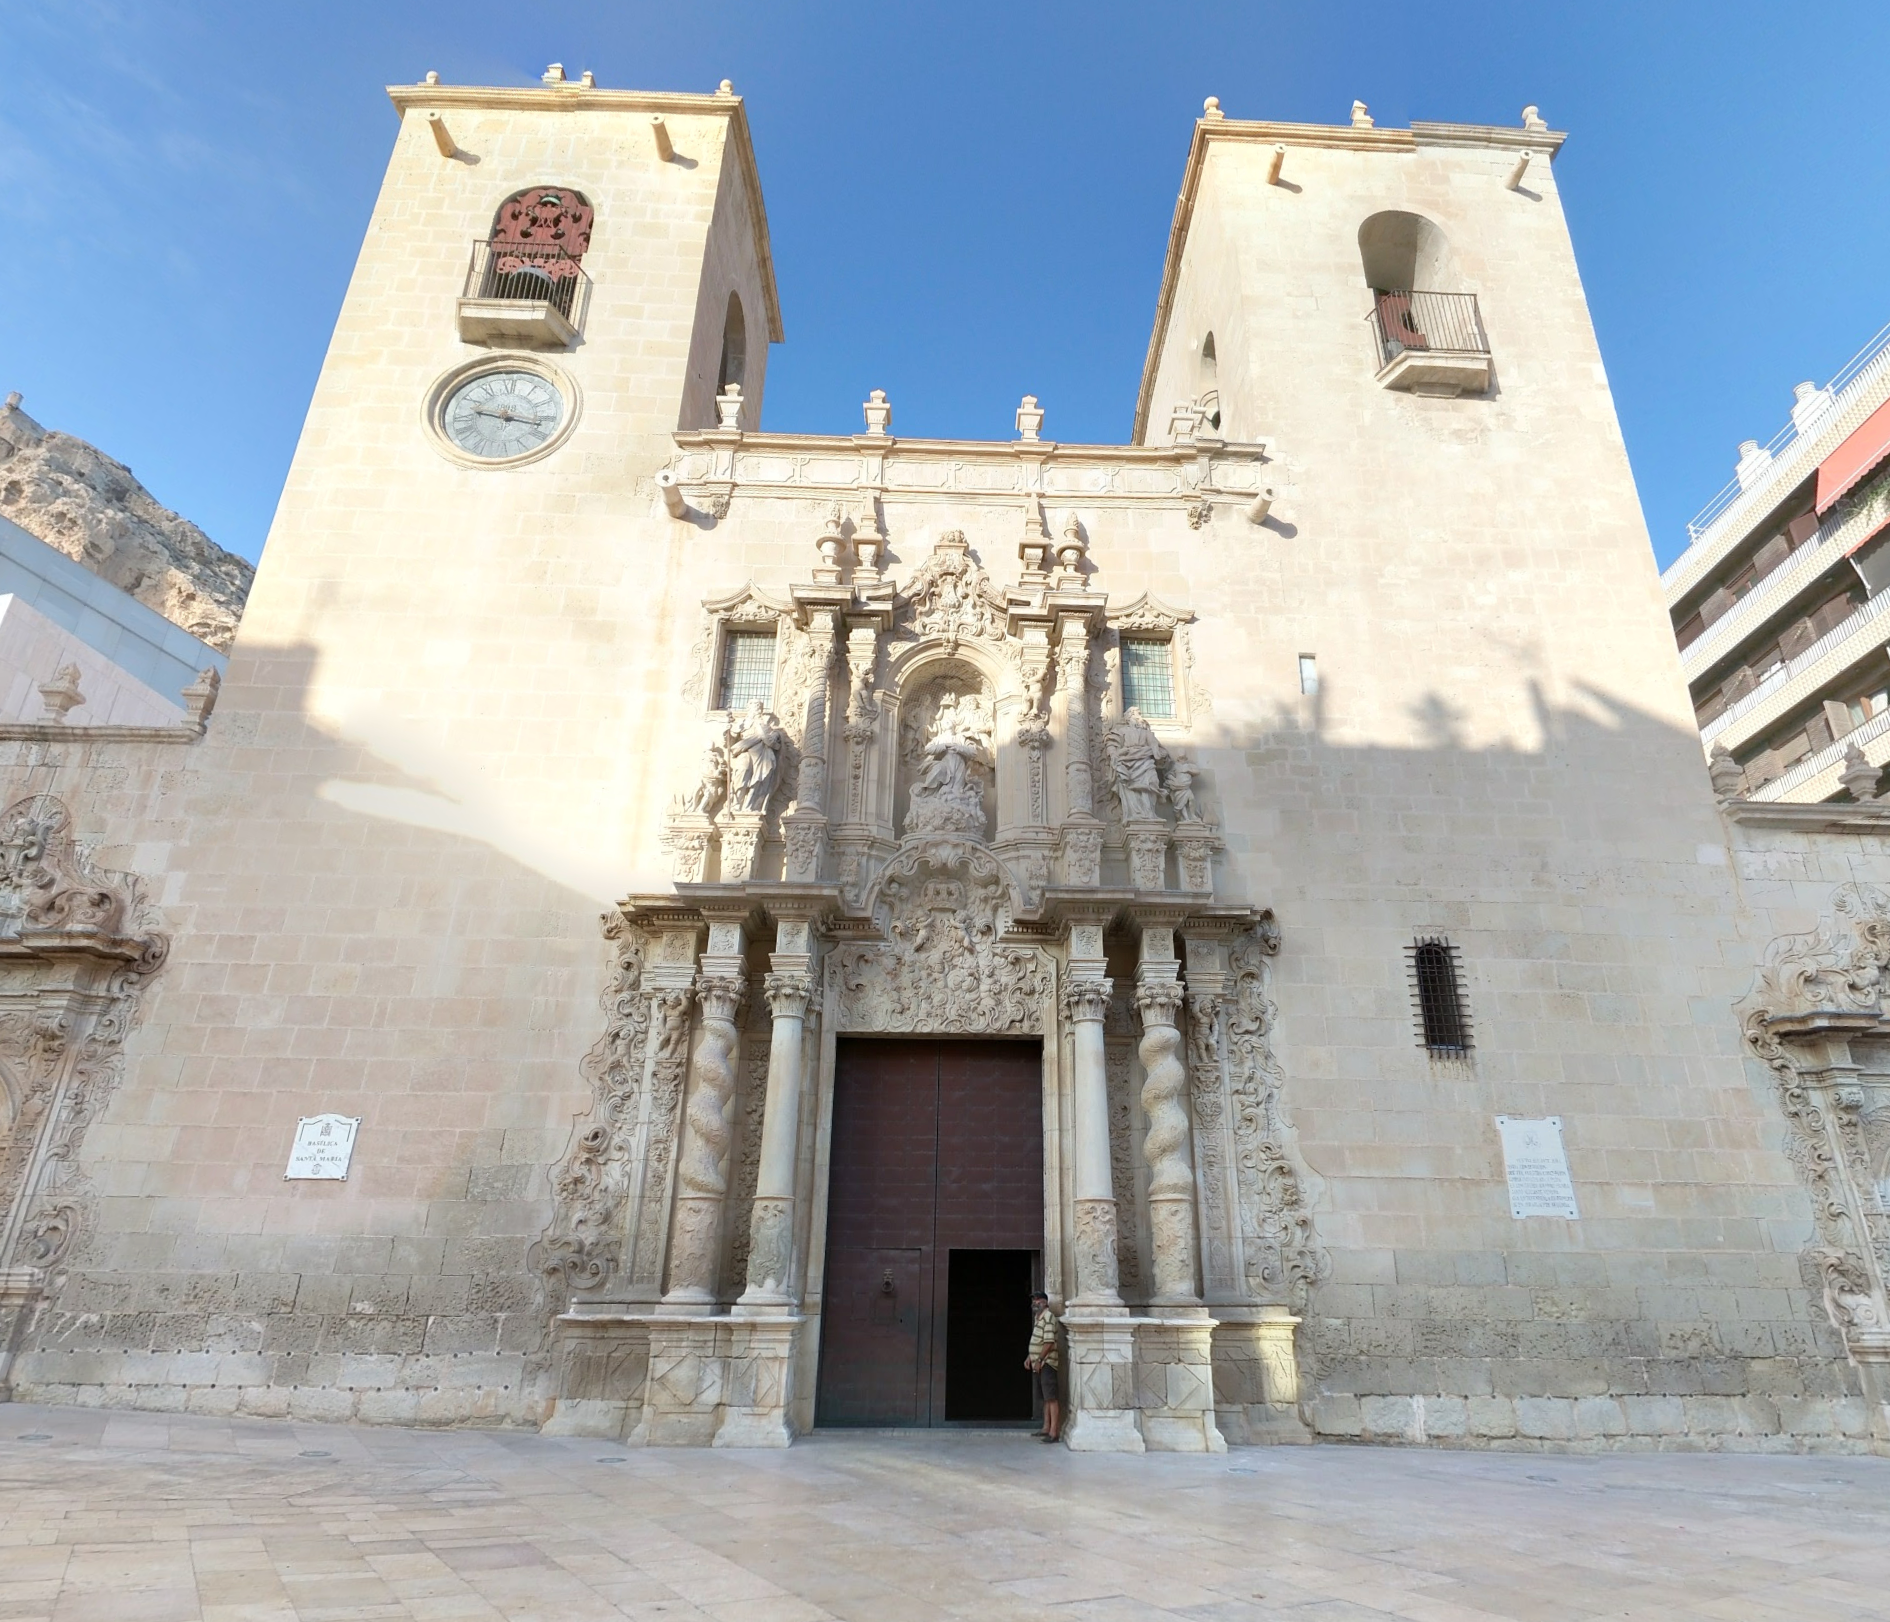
(1537, 1168)
(324, 1144)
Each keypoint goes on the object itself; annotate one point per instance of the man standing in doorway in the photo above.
(1042, 1362)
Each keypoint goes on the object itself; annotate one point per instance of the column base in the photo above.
(601, 1362)
(717, 1380)
(1099, 1396)
(1174, 1382)
(1256, 1377)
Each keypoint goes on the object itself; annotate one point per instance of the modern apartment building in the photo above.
(1779, 602)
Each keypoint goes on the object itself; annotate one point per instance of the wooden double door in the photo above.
(934, 1232)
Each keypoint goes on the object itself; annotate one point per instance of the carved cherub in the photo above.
(707, 796)
(1179, 783)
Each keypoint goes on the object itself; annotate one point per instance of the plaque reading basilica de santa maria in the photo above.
(772, 901)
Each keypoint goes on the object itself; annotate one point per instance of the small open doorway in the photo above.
(987, 1328)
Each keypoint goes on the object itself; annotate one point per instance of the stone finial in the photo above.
(1034, 547)
(1725, 773)
(1029, 418)
(588, 79)
(1183, 422)
(1361, 119)
(869, 540)
(1071, 547)
(61, 695)
(1532, 120)
(13, 400)
(200, 697)
(433, 76)
(728, 407)
(832, 546)
(1859, 777)
(878, 412)
(725, 88)
(554, 74)
(1211, 108)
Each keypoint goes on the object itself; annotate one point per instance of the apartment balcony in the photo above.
(1799, 678)
(1430, 343)
(524, 295)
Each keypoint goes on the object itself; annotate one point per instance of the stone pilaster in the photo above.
(668, 977)
(771, 1224)
(702, 1168)
(1081, 834)
(1166, 1148)
(804, 829)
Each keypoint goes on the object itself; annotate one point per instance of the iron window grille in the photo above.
(747, 673)
(1443, 1017)
(1148, 677)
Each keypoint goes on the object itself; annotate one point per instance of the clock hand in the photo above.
(509, 416)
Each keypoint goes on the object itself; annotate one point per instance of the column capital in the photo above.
(721, 994)
(788, 994)
(1159, 1001)
(1085, 1000)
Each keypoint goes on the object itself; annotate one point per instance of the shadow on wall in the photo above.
(396, 942)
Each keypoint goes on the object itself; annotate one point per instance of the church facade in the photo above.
(1191, 876)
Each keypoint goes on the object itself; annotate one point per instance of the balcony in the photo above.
(1430, 343)
(524, 295)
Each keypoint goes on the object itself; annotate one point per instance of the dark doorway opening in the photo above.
(934, 1227)
(987, 1327)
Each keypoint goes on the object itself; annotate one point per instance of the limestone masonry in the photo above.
(1285, 796)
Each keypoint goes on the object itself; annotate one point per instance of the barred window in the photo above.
(747, 669)
(1437, 996)
(1148, 677)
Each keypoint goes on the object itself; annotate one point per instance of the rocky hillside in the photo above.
(78, 500)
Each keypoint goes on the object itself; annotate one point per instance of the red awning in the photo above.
(1855, 547)
(1856, 457)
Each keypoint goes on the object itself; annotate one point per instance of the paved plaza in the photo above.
(128, 1517)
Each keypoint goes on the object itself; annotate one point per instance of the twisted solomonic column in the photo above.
(771, 1225)
(702, 1169)
(1166, 1148)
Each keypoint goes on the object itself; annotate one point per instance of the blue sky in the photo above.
(968, 201)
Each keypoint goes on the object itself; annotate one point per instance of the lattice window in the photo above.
(1443, 1018)
(1148, 677)
(747, 672)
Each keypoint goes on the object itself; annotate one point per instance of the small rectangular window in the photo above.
(1437, 996)
(747, 669)
(1148, 677)
(1308, 674)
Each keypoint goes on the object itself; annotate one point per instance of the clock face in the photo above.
(502, 414)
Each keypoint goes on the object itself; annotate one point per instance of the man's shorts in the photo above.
(1047, 1382)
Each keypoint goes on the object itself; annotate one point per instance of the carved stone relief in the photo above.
(945, 755)
(581, 1250)
(1281, 1249)
(951, 599)
(942, 905)
(81, 943)
(1815, 1018)
(1117, 1060)
(752, 1098)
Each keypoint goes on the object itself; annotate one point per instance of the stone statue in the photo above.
(707, 796)
(1179, 782)
(754, 759)
(953, 767)
(1136, 764)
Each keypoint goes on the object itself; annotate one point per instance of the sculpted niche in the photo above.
(947, 764)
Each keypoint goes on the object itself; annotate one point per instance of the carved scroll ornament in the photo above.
(943, 905)
(83, 944)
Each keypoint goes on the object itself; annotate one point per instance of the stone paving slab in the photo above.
(119, 1517)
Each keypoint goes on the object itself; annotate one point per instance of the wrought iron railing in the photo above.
(1437, 323)
(526, 270)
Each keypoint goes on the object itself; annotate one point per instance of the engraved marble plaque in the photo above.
(324, 1144)
(1537, 1168)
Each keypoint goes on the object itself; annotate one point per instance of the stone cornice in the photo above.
(712, 465)
(572, 98)
(62, 732)
(1262, 132)
(1828, 817)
